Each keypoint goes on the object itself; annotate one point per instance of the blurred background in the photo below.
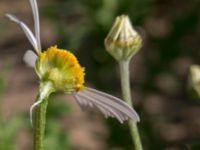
(159, 73)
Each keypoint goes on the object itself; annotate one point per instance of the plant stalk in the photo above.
(126, 91)
(40, 116)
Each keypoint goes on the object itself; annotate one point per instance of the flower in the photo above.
(59, 70)
(122, 42)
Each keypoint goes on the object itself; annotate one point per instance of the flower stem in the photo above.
(40, 116)
(39, 125)
(125, 85)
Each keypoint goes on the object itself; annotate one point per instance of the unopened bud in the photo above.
(123, 41)
(194, 78)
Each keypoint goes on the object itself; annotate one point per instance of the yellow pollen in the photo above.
(62, 68)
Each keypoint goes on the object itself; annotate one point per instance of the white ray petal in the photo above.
(113, 101)
(35, 11)
(26, 30)
(107, 104)
(109, 110)
(30, 58)
(32, 108)
(119, 114)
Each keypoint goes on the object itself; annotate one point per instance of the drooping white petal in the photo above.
(26, 30)
(106, 108)
(114, 101)
(30, 58)
(33, 107)
(107, 104)
(35, 11)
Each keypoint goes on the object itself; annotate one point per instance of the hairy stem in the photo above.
(125, 85)
(39, 125)
(40, 116)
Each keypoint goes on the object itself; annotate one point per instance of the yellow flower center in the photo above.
(61, 68)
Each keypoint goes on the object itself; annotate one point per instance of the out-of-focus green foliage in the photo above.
(9, 131)
(9, 128)
(56, 137)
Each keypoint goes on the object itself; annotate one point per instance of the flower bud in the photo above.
(194, 78)
(123, 41)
